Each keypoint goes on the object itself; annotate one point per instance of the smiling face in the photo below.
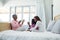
(35, 19)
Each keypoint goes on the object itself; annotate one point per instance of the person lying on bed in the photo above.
(16, 24)
(38, 25)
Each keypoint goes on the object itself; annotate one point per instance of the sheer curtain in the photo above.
(41, 11)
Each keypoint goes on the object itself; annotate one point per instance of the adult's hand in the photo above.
(19, 22)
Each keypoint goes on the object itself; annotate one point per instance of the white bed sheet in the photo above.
(17, 35)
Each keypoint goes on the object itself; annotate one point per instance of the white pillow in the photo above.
(56, 28)
(50, 25)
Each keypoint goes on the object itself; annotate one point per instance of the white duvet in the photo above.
(17, 35)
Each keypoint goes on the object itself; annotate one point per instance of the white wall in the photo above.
(20, 2)
(56, 8)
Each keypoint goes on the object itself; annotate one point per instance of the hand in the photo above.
(23, 20)
(19, 22)
(28, 23)
(28, 30)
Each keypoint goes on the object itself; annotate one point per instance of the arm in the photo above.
(28, 24)
(37, 24)
(22, 23)
(19, 22)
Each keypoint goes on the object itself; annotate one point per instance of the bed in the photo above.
(57, 17)
(26, 35)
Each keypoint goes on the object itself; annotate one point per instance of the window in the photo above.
(23, 12)
(4, 15)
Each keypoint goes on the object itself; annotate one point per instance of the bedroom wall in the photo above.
(56, 8)
(20, 2)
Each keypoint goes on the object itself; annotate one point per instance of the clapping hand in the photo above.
(19, 22)
(23, 21)
(28, 23)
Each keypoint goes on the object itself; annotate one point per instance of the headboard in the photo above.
(57, 17)
(5, 26)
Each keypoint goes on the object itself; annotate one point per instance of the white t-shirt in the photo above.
(40, 25)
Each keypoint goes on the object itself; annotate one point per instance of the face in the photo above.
(15, 17)
(35, 19)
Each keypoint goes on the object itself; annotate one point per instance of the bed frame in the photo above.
(5, 26)
(57, 17)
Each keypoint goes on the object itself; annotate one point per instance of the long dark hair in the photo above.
(37, 18)
(33, 22)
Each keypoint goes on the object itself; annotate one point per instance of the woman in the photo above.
(15, 24)
(38, 25)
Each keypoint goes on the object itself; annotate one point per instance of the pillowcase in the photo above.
(50, 25)
(56, 27)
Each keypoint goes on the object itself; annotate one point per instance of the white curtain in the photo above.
(41, 11)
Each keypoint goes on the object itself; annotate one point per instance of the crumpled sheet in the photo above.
(25, 35)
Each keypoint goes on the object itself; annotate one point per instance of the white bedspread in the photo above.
(17, 35)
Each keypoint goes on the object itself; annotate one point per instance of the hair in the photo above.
(38, 19)
(14, 15)
(33, 22)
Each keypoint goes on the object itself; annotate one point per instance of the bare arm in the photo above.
(22, 22)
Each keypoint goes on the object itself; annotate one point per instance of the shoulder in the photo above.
(13, 21)
(39, 22)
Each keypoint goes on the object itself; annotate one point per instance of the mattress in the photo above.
(26, 35)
